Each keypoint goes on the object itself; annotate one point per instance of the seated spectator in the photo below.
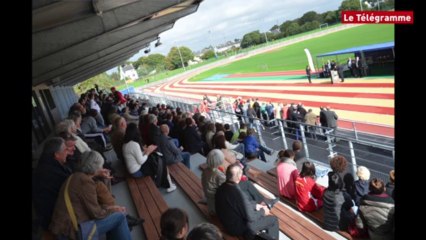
(236, 135)
(191, 138)
(172, 154)
(237, 148)
(390, 186)
(239, 215)
(69, 126)
(117, 136)
(377, 212)
(210, 132)
(252, 147)
(205, 231)
(230, 156)
(339, 165)
(299, 156)
(81, 187)
(361, 185)
(337, 205)
(308, 192)
(287, 174)
(174, 224)
(228, 132)
(212, 177)
(49, 175)
(139, 163)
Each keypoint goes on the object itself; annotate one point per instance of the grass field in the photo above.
(293, 57)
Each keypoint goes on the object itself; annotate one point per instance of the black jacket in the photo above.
(234, 210)
(48, 179)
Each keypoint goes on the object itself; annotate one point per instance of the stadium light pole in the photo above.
(266, 37)
(210, 39)
(181, 59)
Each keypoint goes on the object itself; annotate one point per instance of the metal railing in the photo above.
(319, 142)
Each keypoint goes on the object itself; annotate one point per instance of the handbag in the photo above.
(84, 230)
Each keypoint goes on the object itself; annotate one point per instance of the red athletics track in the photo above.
(180, 86)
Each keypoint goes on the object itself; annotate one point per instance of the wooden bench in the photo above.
(149, 204)
(191, 185)
(269, 182)
(291, 224)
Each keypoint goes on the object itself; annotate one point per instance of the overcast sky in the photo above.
(230, 19)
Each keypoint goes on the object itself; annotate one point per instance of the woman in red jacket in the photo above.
(308, 192)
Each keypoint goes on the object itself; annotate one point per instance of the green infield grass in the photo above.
(293, 57)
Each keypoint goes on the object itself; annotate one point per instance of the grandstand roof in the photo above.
(365, 48)
(75, 40)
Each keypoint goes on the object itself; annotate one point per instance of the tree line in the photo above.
(156, 63)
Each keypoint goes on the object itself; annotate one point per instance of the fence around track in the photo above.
(360, 149)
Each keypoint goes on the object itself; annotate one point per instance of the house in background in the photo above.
(128, 71)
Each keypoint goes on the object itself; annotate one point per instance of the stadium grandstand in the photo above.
(87, 152)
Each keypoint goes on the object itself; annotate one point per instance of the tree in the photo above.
(352, 5)
(103, 80)
(275, 27)
(284, 27)
(308, 17)
(154, 60)
(207, 55)
(293, 29)
(330, 17)
(309, 26)
(115, 76)
(252, 38)
(140, 61)
(174, 56)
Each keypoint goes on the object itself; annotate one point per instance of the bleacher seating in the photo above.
(269, 182)
(291, 224)
(149, 204)
(191, 185)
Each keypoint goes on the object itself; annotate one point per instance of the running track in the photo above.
(369, 102)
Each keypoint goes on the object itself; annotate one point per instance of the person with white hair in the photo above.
(362, 184)
(212, 177)
(83, 196)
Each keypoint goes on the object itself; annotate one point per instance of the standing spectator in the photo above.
(308, 73)
(350, 63)
(339, 69)
(310, 119)
(358, 66)
(331, 118)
